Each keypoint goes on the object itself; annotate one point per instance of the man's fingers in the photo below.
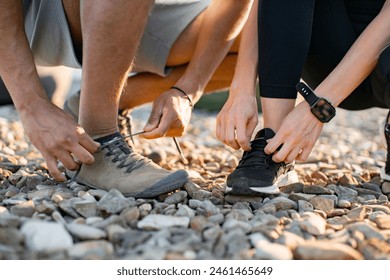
(83, 155)
(89, 145)
(68, 161)
(52, 166)
(154, 118)
(162, 128)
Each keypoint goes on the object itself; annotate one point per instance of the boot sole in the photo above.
(168, 184)
(244, 186)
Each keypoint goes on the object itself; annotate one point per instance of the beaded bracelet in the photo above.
(183, 92)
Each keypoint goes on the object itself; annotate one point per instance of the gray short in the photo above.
(50, 40)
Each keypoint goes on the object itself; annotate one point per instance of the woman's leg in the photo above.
(284, 30)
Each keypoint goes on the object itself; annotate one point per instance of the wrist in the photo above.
(191, 91)
(185, 94)
(32, 104)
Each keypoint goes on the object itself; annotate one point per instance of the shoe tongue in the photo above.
(265, 133)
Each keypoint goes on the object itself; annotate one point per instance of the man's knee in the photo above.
(384, 63)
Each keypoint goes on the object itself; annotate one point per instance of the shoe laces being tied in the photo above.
(123, 154)
(256, 157)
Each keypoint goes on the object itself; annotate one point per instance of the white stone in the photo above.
(46, 237)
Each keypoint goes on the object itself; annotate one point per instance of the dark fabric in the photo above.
(316, 36)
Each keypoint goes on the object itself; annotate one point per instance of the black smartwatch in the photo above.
(321, 108)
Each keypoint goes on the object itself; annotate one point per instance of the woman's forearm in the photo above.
(359, 61)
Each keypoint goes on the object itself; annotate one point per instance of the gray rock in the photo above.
(344, 193)
(130, 214)
(343, 203)
(86, 208)
(85, 232)
(208, 209)
(293, 188)
(323, 204)
(268, 208)
(46, 237)
(23, 209)
(67, 206)
(383, 221)
(273, 251)
(326, 251)
(305, 206)
(313, 189)
(113, 202)
(368, 230)
(185, 211)
(212, 234)
(156, 222)
(232, 224)
(240, 244)
(176, 197)
(45, 193)
(290, 240)
(92, 250)
(301, 196)
(240, 214)
(357, 214)
(216, 219)
(283, 203)
(11, 236)
(372, 187)
(233, 199)
(313, 224)
(194, 203)
(386, 187)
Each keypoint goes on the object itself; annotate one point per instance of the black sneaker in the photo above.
(257, 172)
(385, 135)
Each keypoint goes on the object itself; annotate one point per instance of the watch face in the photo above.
(323, 110)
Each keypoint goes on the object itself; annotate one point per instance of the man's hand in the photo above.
(57, 137)
(298, 134)
(170, 116)
(237, 121)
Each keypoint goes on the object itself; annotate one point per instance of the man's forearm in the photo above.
(17, 67)
(214, 43)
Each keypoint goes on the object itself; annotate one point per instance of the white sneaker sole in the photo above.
(283, 180)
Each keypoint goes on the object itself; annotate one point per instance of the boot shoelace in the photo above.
(117, 144)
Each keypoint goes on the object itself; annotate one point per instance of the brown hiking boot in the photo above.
(118, 166)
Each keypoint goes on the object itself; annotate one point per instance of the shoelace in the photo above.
(126, 123)
(117, 143)
(257, 157)
(74, 177)
(123, 154)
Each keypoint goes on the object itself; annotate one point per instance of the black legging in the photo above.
(308, 38)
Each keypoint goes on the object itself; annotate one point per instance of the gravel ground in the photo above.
(339, 210)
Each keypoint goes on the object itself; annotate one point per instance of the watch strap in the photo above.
(307, 93)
